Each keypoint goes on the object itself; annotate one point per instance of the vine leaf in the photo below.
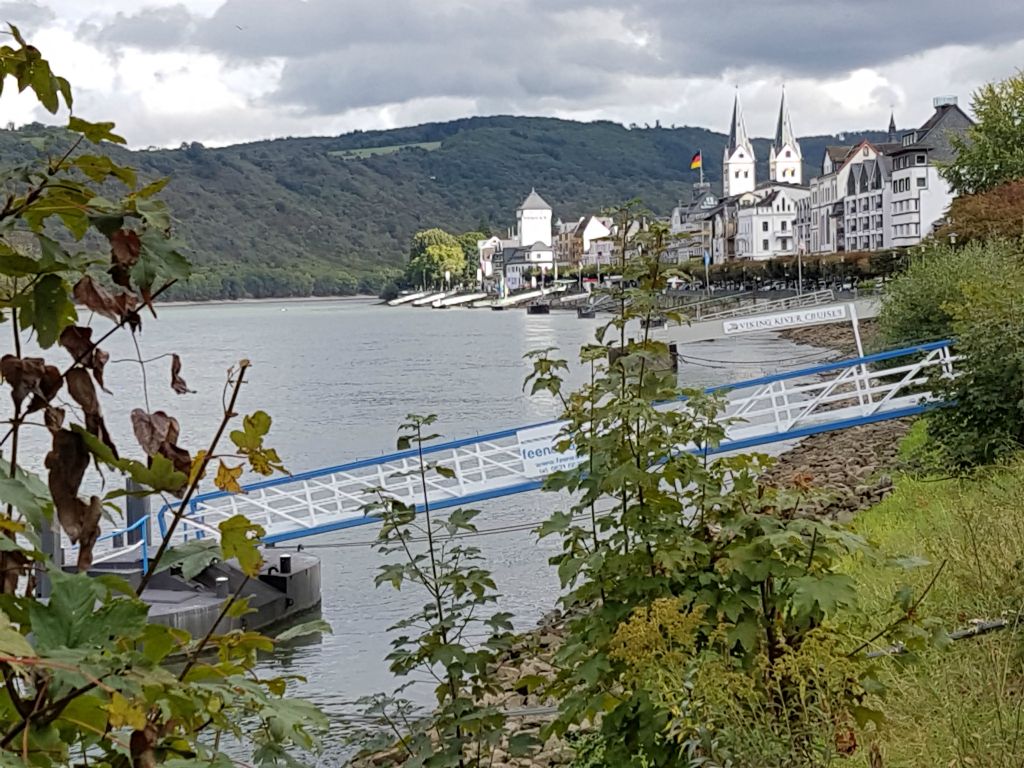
(314, 627)
(177, 383)
(67, 461)
(240, 539)
(98, 299)
(227, 478)
(81, 389)
(124, 255)
(192, 558)
(52, 310)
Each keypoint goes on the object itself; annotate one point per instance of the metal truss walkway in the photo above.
(769, 409)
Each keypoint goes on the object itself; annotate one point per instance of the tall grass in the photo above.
(961, 706)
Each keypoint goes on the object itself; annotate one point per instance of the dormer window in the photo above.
(788, 153)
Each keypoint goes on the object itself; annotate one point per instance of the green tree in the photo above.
(468, 241)
(663, 543)
(88, 680)
(992, 152)
(433, 253)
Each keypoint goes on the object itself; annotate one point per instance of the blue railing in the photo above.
(505, 433)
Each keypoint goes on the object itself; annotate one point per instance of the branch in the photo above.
(229, 413)
(197, 651)
(905, 617)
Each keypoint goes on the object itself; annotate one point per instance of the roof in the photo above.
(784, 127)
(738, 129)
(534, 202)
(838, 154)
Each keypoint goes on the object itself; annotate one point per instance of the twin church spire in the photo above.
(785, 160)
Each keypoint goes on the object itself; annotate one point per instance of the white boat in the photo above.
(430, 298)
(458, 300)
(407, 297)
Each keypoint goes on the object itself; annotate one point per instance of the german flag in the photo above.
(695, 161)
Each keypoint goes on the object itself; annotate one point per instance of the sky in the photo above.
(228, 71)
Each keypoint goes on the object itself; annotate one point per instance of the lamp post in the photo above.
(952, 239)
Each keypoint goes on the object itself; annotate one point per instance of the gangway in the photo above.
(815, 299)
(458, 300)
(407, 298)
(430, 298)
(759, 411)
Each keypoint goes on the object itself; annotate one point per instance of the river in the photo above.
(338, 377)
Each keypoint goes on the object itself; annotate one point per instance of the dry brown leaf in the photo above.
(53, 417)
(99, 362)
(30, 376)
(157, 433)
(96, 298)
(227, 478)
(125, 247)
(81, 389)
(12, 564)
(154, 429)
(67, 461)
(177, 383)
(88, 530)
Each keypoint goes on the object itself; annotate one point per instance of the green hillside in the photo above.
(332, 215)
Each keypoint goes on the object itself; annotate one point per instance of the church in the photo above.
(757, 221)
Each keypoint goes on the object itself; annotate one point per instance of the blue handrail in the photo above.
(453, 444)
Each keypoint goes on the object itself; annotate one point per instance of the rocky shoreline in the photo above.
(835, 336)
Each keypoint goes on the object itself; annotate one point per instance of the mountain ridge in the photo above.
(334, 214)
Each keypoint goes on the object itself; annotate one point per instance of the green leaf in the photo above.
(522, 744)
(71, 618)
(240, 540)
(156, 213)
(825, 593)
(239, 608)
(192, 557)
(444, 471)
(314, 627)
(12, 642)
(35, 507)
(153, 187)
(16, 265)
(52, 309)
(94, 132)
(160, 641)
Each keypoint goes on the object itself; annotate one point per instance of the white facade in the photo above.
(766, 226)
(533, 221)
(867, 225)
(738, 164)
(920, 197)
(785, 161)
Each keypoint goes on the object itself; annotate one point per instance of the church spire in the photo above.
(892, 127)
(784, 127)
(738, 129)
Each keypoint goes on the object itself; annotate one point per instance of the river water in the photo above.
(338, 377)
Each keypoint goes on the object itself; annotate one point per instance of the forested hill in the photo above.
(295, 215)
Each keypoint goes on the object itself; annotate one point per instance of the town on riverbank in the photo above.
(812, 567)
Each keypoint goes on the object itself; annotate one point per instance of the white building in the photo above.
(738, 172)
(920, 196)
(867, 224)
(766, 225)
(529, 247)
(785, 160)
(690, 224)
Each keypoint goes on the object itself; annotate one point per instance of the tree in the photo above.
(88, 680)
(468, 241)
(992, 152)
(997, 213)
(433, 253)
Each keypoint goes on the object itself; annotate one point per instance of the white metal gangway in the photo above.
(760, 411)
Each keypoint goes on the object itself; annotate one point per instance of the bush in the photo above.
(916, 307)
(987, 423)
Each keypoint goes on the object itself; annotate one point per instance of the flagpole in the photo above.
(701, 153)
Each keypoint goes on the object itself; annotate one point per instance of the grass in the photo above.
(360, 154)
(960, 706)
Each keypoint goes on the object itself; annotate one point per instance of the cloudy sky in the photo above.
(224, 71)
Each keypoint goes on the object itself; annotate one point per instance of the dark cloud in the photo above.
(160, 28)
(345, 54)
(28, 14)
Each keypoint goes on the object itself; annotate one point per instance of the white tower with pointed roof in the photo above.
(533, 221)
(786, 161)
(738, 164)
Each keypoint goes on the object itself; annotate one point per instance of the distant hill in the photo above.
(330, 215)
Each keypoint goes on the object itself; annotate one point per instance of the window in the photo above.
(746, 174)
(922, 182)
(737, 174)
(764, 245)
(922, 159)
(764, 226)
(783, 226)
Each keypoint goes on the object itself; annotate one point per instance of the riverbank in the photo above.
(836, 336)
